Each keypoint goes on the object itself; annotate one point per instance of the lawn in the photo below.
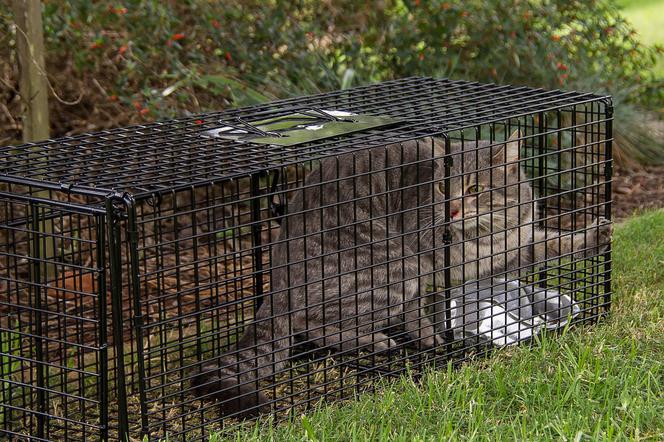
(647, 16)
(604, 382)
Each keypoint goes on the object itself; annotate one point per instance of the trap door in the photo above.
(54, 365)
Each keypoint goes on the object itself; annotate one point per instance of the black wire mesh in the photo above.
(174, 278)
(53, 341)
(167, 155)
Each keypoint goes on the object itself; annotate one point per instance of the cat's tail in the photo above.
(233, 378)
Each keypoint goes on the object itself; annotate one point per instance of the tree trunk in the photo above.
(33, 87)
(32, 84)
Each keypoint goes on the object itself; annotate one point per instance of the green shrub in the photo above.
(147, 59)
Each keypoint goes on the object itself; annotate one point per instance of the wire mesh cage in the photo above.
(173, 279)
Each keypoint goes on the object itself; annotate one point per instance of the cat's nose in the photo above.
(455, 208)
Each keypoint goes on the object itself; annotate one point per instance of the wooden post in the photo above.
(33, 87)
(33, 84)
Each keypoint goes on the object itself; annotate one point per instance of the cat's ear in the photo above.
(508, 152)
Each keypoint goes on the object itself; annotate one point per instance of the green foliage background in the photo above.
(118, 63)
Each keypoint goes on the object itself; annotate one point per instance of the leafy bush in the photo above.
(147, 59)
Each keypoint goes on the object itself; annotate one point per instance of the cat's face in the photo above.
(487, 187)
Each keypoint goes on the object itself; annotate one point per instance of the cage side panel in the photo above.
(314, 281)
(53, 356)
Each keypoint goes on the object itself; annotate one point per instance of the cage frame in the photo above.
(117, 215)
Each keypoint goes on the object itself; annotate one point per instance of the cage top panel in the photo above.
(216, 146)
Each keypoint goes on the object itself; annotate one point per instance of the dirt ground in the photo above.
(637, 190)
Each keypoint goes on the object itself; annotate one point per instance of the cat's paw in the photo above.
(379, 343)
(385, 346)
(600, 231)
(431, 342)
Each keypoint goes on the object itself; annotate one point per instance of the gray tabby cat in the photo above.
(364, 237)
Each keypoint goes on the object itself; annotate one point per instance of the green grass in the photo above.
(10, 344)
(604, 382)
(647, 16)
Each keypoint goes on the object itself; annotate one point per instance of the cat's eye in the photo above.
(475, 188)
(441, 187)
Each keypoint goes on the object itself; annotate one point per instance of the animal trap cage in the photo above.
(173, 278)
